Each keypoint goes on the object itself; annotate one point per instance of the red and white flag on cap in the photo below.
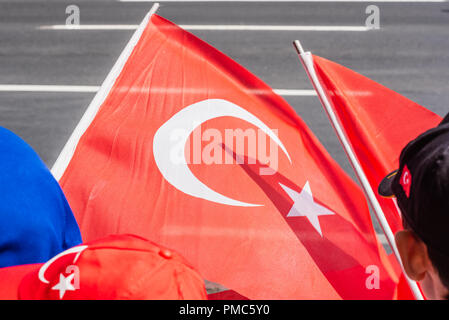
(162, 157)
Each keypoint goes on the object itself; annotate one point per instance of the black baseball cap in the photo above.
(421, 186)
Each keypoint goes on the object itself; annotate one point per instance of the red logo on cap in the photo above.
(406, 180)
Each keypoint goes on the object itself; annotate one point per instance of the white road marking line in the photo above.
(93, 89)
(370, 1)
(231, 27)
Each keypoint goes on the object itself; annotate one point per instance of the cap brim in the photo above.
(385, 186)
(11, 277)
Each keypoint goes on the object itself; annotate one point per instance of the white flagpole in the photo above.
(67, 152)
(307, 61)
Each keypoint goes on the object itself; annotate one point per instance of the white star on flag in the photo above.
(305, 206)
(65, 284)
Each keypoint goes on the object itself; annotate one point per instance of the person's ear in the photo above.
(413, 255)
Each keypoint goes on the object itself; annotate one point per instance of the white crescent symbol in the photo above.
(179, 175)
(44, 268)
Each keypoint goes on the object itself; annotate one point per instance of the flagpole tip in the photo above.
(154, 8)
(298, 47)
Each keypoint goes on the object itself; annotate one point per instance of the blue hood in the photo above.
(36, 221)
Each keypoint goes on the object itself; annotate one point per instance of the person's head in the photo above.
(421, 188)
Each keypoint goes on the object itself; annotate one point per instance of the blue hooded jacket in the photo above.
(36, 222)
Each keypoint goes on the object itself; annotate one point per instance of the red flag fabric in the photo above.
(378, 122)
(194, 152)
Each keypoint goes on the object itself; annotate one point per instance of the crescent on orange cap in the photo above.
(118, 267)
